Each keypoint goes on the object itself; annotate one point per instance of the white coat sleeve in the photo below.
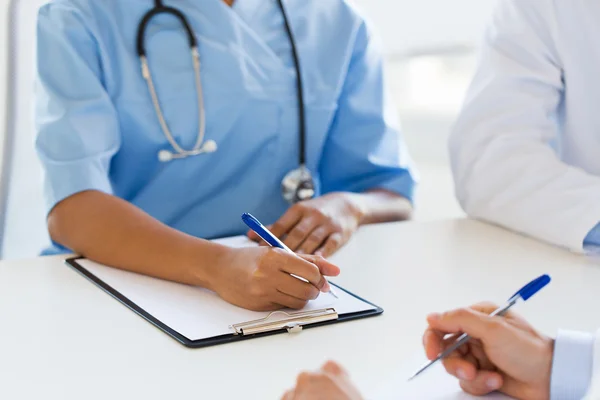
(572, 365)
(594, 392)
(506, 171)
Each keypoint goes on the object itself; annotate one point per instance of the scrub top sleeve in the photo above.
(364, 148)
(76, 124)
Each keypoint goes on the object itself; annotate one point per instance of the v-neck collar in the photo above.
(246, 9)
(234, 32)
(240, 15)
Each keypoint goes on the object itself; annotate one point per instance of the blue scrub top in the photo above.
(97, 129)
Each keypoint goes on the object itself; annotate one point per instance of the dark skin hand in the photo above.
(321, 226)
(255, 278)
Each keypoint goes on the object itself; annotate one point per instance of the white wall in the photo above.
(3, 68)
(3, 98)
(409, 26)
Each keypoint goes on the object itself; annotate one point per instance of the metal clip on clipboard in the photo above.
(278, 320)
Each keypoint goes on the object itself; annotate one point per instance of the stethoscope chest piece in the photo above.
(298, 185)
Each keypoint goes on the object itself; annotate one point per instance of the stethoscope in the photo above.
(297, 185)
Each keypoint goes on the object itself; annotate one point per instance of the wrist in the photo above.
(204, 261)
(356, 207)
(542, 391)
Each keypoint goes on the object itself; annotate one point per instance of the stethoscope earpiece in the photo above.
(210, 146)
(165, 156)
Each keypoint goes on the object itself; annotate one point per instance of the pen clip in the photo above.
(527, 291)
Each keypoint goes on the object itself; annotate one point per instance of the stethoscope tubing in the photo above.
(302, 178)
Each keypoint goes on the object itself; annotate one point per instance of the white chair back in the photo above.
(23, 230)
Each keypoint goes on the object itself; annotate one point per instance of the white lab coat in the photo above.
(525, 150)
(594, 392)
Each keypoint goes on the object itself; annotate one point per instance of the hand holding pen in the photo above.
(502, 353)
(265, 279)
(273, 241)
(260, 278)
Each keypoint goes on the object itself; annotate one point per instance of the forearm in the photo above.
(114, 232)
(380, 205)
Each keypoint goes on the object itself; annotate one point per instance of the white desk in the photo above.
(63, 338)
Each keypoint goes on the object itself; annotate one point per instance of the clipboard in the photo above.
(277, 322)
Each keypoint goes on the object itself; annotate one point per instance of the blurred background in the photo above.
(431, 50)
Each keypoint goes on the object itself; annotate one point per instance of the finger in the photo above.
(460, 368)
(315, 240)
(253, 236)
(433, 342)
(308, 379)
(296, 288)
(285, 300)
(478, 353)
(333, 368)
(486, 307)
(300, 232)
(299, 266)
(484, 383)
(325, 267)
(514, 318)
(287, 221)
(332, 244)
(467, 320)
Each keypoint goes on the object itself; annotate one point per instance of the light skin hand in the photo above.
(329, 383)
(260, 278)
(323, 225)
(506, 354)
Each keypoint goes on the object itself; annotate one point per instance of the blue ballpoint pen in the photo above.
(524, 294)
(271, 239)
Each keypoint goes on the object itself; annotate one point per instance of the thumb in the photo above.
(474, 323)
(325, 267)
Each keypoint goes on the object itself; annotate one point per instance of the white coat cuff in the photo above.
(572, 365)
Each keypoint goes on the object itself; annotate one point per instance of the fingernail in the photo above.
(326, 287)
(493, 383)
(319, 254)
(300, 252)
(462, 375)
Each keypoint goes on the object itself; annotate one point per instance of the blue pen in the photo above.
(524, 294)
(271, 239)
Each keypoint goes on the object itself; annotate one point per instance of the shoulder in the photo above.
(339, 23)
(87, 12)
(534, 11)
(347, 9)
(545, 24)
(331, 15)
